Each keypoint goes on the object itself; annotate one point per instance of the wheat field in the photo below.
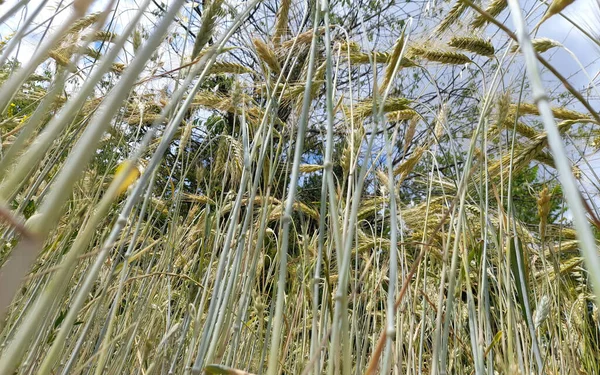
(299, 187)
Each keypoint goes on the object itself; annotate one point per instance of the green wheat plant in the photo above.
(287, 187)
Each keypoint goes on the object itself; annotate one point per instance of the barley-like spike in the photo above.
(185, 136)
(392, 61)
(103, 36)
(440, 121)
(577, 173)
(493, 9)
(302, 39)
(476, 45)
(91, 52)
(541, 312)
(365, 108)
(525, 130)
(444, 57)
(225, 103)
(454, 14)
(117, 68)
(147, 119)
(410, 132)
(136, 40)
(503, 106)
(544, 44)
(559, 112)
(281, 23)
(206, 28)
(365, 58)
(556, 7)
(62, 60)
(403, 114)
(409, 164)
(229, 67)
(384, 181)
(543, 205)
(532, 150)
(521, 128)
(546, 158)
(83, 23)
(395, 104)
(210, 100)
(540, 45)
(310, 168)
(358, 57)
(237, 97)
(267, 55)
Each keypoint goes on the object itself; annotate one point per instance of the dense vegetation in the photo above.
(287, 187)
